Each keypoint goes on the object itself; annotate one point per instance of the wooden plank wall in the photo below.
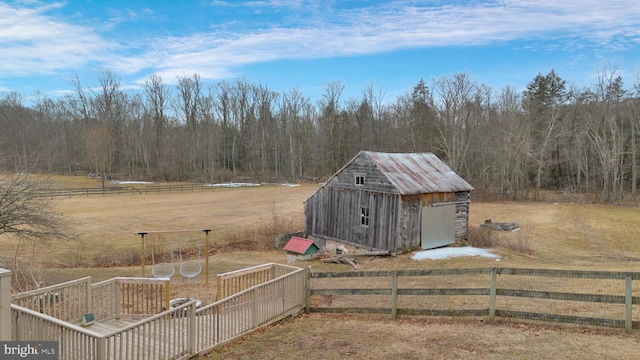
(463, 199)
(375, 181)
(334, 213)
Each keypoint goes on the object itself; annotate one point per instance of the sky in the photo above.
(307, 44)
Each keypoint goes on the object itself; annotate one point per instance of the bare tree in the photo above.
(606, 132)
(544, 98)
(27, 214)
(158, 98)
(187, 106)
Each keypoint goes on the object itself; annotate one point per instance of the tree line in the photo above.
(552, 135)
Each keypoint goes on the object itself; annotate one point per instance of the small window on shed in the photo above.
(359, 179)
(364, 216)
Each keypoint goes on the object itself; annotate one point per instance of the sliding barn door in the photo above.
(438, 226)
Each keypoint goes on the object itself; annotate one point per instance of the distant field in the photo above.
(562, 236)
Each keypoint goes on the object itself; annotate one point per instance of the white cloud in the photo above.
(382, 29)
(34, 42)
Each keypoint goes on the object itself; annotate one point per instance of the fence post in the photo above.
(307, 290)
(394, 295)
(192, 328)
(5, 305)
(492, 294)
(167, 295)
(101, 353)
(89, 295)
(118, 302)
(628, 301)
(254, 308)
(218, 287)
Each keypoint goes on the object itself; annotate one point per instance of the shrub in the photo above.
(486, 238)
(481, 237)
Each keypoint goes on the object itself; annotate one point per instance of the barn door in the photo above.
(438, 226)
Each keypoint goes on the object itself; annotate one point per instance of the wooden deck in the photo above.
(109, 326)
(120, 331)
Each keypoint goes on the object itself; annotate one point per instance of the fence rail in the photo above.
(578, 297)
(136, 190)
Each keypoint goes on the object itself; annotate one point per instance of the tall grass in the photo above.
(483, 237)
(260, 237)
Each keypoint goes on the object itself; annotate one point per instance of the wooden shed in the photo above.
(393, 202)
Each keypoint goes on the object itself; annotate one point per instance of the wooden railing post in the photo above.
(192, 329)
(628, 301)
(218, 287)
(394, 295)
(254, 308)
(492, 294)
(88, 296)
(307, 290)
(5, 305)
(101, 353)
(167, 295)
(118, 302)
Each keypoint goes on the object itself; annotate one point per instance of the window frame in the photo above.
(365, 218)
(359, 179)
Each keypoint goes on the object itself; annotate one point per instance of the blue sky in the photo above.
(307, 44)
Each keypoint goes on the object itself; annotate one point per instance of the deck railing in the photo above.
(168, 335)
(122, 296)
(178, 333)
(116, 297)
(251, 308)
(74, 342)
(233, 282)
(152, 338)
(67, 301)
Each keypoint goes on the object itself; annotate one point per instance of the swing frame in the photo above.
(206, 232)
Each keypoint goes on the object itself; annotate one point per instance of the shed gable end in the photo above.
(362, 174)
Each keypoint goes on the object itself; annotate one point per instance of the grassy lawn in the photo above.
(561, 235)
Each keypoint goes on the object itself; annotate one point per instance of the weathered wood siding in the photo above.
(374, 181)
(462, 200)
(410, 223)
(333, 213)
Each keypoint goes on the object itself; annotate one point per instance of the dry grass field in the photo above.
(560, 235)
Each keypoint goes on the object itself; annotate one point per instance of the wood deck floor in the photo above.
(109, 326)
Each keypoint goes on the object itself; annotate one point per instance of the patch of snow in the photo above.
(232, 185)
(290, 185)
(131, 182)
(449, 252)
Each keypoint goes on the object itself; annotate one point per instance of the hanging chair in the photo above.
(161, 270)
(190, 268)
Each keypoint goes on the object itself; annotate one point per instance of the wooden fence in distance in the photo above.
(138, 189)
(579, 297)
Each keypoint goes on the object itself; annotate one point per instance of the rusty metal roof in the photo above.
(298, 245)
(417, 173)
